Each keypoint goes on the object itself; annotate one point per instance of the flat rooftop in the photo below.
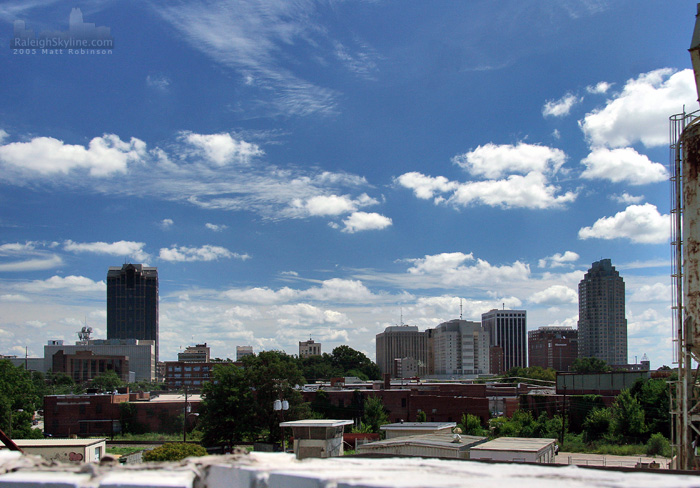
(419, 426)
(428, 440)
(520, 444)
(316, 423)
(53, 442)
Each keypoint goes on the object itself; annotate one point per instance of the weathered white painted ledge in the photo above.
(263, 470)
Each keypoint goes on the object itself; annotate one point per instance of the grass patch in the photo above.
(158, 437)
(124, 450)
(574, 443)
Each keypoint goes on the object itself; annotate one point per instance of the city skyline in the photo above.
(320, 170)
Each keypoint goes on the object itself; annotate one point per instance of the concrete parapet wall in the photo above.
(263, 470)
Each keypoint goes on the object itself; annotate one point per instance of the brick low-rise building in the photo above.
(105, 414)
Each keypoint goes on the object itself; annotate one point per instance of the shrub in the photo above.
(174, 451)
(658, 445)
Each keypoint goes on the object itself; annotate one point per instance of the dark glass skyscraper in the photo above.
(507, 330)
(132, 303)
(602, 326)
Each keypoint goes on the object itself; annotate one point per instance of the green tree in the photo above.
(274, 375)
(590, 365)
(375, 414)
(658, 445)
(318, 367)
(471, 425)
(598, 424)
(533, 372)
(107, 381)
(59, 383)
(347, 359)
(628, 417)
(128, 419)
(654, 397)
(238, 403)
(578, 408)
(227, 406)
(18, 400)
(174, 451)
(421, 417)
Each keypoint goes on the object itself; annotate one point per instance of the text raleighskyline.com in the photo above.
(61, 43)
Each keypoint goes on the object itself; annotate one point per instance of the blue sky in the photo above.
(319, 169)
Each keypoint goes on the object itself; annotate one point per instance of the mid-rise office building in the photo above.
(460, 347)
(132, 303)
(140, 355)
(508, 330)
(180, 374)
(309, 348)
(553, 347)
(199, 353)
(402, 342)
(602, 326)
(83, 366)
(243, 351)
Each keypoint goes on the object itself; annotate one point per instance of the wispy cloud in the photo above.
(251, 37)
(120, 248)
(561, 107)
(203, 253)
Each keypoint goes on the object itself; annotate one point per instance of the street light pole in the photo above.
(280, 406)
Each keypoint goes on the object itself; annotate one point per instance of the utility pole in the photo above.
(563, 416)
(184, 419)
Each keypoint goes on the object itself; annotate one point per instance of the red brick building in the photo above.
(104, 413)
(553, 347)
(441, 403)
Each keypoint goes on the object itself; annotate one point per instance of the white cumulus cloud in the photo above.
(622, 165)
(104, 155)
(640, 112)
(558, 260)
(638, 223)
(529, 191)
(424, 186)
(325, 205)
(494, 161)
(462, 269)
(599, 88)
(222, 148)
(626, 198)
(361, 221)
(69, 283)
(561, 107)
(555, 295)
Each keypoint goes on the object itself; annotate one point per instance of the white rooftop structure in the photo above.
(402, 429)
(516, 449)
(317, 438)
(442, 445)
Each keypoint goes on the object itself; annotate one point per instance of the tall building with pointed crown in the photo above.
(132, 303)
(602, 326)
